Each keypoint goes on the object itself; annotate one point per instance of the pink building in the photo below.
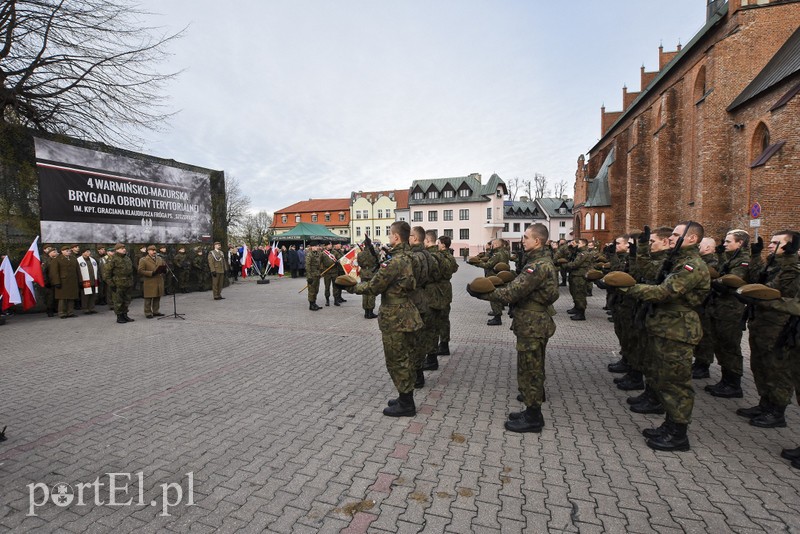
(463, 208)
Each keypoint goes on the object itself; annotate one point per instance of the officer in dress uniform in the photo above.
(218, 265)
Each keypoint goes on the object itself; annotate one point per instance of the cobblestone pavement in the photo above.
(267, 416)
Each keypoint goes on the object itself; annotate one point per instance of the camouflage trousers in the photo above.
(530, 369)
(397, 349)
(444, 325)
(627, 334)
(704, 351)
(121, 297)
(313, 289)
(337, 293)
(368, 302)
(771, 369)
(425, 338)
(671, 372)
(726, 336)
(497, 309)
(578, 290)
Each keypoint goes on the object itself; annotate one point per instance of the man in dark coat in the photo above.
(64, 276)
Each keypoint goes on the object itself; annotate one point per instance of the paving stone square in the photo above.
(256, 414)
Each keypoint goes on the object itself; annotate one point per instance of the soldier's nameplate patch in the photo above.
(689, 268)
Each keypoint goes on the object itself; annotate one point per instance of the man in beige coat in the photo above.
(152, 269)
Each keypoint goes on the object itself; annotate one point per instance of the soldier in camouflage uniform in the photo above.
(119, 273)
(398, 319)
(313, 268)
(621, 308)
(704, 351)
(438, 301)
(201, 275)
(533, 293)
(337, 270)
(673, 330)
(328, 260)
(726, 313)
(447, 266)
(422, 265)
(771, 371)
(499, 254)
(181, 267)
(562, 251)
(367, 262)
(578, 267)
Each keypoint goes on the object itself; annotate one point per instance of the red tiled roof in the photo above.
(401, 197)
(317, 205)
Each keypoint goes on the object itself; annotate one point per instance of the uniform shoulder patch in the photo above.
(688, 268)
(530, 270)
(384, 264)
(744, 264)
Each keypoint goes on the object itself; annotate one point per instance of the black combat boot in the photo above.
(127, 318)
(420, 381)
(651, 433)
(700, 370)
(754, 411)
(431, 362)
(336, 302)
(342, 300)
(649, 405)
(729, 387)
(796, 463)
(494, 321)
(572, 310)
(404, 407)
(672, 438)
(620, 366)
(791, 454)
(370, 314)
(327, 301)
(444, 348)
(520, 398)
(121, 319)
(647, 394)
(578, 316)
(530, 420)
(313, 306)
(773, 417)
(633, 381)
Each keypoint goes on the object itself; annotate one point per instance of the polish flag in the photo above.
(247, 260)
(8, 285)
(25, 284)
(31, 264)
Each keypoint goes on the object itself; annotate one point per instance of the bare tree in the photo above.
(85, 68)
(539, 185)
(513, 186)
(560, 188)
(527, 188)
(236, 202)
(254, 229)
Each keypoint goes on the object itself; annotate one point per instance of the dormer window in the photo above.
(433, 194)
(464, 192)
(448, 193)
(418, 195)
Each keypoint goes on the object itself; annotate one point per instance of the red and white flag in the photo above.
(276, 259)
(350, 263)
(31, 263)
(8, 285)
(247, 260)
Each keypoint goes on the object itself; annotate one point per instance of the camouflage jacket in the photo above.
(435, 290)
(532, 293)
(367, 263)
(179, 262)
(448, 266)
(562, 252)
(676, 298)
(119, 271)
(394, 282)
(327, 259)
(420, 265)
(782, 275)
(500, 255)
(711, 260)
(313, 264)
(723, 304)
(583, 262)
(620, 261)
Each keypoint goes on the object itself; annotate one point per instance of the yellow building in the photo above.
(372, 213)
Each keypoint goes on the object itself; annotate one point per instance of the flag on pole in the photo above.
(273, 255)
(349, 263)
(25, 285)
(31, 263)
(247, 260)
(8, 285)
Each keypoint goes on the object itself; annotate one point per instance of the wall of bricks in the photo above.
(681, 155)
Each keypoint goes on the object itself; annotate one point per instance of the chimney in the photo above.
(475, 175)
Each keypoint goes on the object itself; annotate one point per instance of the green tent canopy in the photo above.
(310, 232)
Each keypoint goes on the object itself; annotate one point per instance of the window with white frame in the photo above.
(464, 192)
(562, 224)
(358, 214)
(489, 213)
(463, 233)
(296, 218)
(418, 195)
(327, 217)
(284, 218)
(417, 216)
(448, 232)
(463, 215)
(447, 215)
(341, 215)
(314, 217)
(433, 216)
(380, 214)
(448, 193)
(433, 194)
(358, 231)
(377, 231)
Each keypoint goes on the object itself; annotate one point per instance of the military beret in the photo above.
(151, 247)
(496, 280)
(217, 243)
(713, 273)
(619, 279)
(181, 248)
(473, 260)
(502, 266)
(606, 265)
(65, 247)
(118, 246)
(85, 248)
(46, 247)
(759, 291)
(506, 276)
(481, 285)
(345, 280)
(100, 246)
(731, 280)
(594, 274)
(562, 260)
(74, 246)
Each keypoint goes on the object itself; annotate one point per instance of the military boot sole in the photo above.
(513, 416)
(764, 421)
(751, 412)
(619, 368)
(643, 408)
(522, 426)
(630, 386)
(577, 317)
(659, 444)
(494, 322)
(398, 410)
(791, 454)
(726, 392)
(653, 433)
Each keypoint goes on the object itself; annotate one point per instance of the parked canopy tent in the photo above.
(310, 232)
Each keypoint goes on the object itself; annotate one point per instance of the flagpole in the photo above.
(323, 272)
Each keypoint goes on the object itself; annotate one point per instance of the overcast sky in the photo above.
(300, 98)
